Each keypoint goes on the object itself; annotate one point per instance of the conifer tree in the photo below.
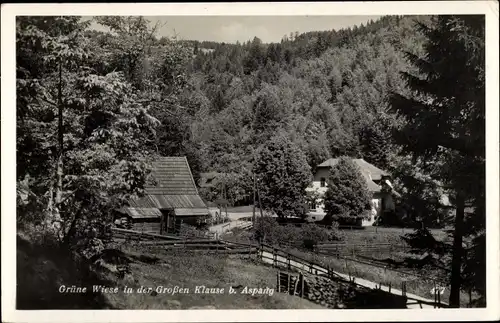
(444, 129)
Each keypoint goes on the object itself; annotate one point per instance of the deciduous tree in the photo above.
(282, 177)
(347, 197)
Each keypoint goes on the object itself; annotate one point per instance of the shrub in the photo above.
(306, 235)
(192, 232)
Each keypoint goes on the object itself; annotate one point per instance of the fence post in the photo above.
(288, 284)
(435, 296)
(288, 260)
(301, 277)
(278, 281)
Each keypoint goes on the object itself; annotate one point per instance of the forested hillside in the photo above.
(326, 91)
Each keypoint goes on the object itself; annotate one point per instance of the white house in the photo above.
(376, 180)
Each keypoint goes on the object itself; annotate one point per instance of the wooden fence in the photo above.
(127, 234)
(345, 249)
(186, 244)
(280, 258)
(290, 284)
(277, 256)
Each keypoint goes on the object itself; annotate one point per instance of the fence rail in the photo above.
(281, 258)
(275, 255)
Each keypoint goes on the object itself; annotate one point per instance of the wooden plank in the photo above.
(278, 282)
(144, 235)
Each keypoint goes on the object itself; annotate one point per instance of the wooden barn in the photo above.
(173, 200)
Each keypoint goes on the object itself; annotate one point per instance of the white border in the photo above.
(8, 13)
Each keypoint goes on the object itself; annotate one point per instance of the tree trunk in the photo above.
(253, 213)
(59, 162)
(260, 203)
(456, 278)
(72, 229)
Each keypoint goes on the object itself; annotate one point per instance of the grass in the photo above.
(42, 270)
(188, 270)
(370, 236)
(414, 285)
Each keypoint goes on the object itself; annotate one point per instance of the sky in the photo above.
(230, 29)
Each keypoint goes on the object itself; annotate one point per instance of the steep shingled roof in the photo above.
(370, 172)
(173, 177)
(174, 188)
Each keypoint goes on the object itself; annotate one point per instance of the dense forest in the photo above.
(94, 107)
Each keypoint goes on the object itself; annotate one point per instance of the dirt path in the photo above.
(412, 299)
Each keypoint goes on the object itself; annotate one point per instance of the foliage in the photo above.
(304, 235)
(282, 177)
(235, 187)
(81, 128)
(347, 196)
(444, 124)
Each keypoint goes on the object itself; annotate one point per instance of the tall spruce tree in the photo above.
(444, 130)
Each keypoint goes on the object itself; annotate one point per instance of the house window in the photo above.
(312, 205)
(323, 182)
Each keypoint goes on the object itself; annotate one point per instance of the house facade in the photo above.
(173, 200)
(377, 180)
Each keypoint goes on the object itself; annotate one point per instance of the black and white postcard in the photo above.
(250, 162)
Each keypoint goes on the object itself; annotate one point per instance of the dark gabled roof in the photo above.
(141, 213)
(368, 170)
(168, 201)
(191, 212)
(173, 177)
(174, 187)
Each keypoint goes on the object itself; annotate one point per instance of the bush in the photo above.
(191, 232)
(305, 235)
